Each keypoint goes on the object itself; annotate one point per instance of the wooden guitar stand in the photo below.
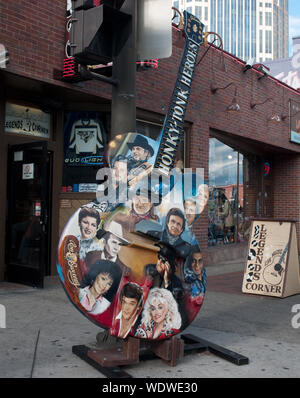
(110, 361)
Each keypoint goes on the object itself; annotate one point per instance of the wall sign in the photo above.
(84, 139)
(26, 120)
(88, 187)
(18, 156)
(65, 204)
(28, 171)
(272, 265)
(295, 122)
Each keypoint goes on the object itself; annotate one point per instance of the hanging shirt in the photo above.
(86, 137)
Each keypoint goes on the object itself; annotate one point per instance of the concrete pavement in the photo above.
(257, 327)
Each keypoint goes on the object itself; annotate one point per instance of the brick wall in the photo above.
(287, 189)
(33, 32)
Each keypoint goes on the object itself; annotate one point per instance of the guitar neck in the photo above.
(172, 131)
(283, 254)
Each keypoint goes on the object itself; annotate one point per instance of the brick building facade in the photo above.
(34, 35)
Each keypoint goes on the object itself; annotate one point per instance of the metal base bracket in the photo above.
(194, 343)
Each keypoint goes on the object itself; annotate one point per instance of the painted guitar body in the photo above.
(129, 261)
(274, 271)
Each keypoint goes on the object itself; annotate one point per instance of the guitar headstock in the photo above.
(193, 28)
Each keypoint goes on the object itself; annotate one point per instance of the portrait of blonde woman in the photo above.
(160, 318)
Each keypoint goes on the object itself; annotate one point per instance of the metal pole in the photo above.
(123, 107)
(237, 202)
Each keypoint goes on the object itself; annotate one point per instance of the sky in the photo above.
(294, 21)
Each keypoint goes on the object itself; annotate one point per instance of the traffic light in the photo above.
(98, 33)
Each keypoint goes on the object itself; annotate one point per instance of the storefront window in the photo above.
(225, 206)
(85, 136)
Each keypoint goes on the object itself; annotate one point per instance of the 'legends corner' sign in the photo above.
(26, 120)
(272, 266)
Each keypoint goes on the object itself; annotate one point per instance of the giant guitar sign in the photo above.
(129, 261)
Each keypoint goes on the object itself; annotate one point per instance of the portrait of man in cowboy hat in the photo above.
(164, 275)
(112, 240)
(141, 151)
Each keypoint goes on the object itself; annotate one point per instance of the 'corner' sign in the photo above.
(27, 120)
(272, 265)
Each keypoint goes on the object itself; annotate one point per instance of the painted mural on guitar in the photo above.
(129, 261)
(136, 269)
(267, 258)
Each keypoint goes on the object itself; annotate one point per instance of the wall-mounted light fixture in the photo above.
(249, 65)
(263, 69)
(214, 88)
(283, 117)
(274, 118)
(253, 104)
(259, 67)
(234, 106)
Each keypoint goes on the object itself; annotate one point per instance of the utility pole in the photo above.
(123, 108)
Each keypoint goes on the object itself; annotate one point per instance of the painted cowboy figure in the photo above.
(163, 276)
(112, 240)
(163, 272)
(141, 151)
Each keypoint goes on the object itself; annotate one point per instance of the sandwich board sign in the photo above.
(272, 265)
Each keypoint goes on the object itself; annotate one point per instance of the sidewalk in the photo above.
(254, 326)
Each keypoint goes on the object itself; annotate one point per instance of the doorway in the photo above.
(28, 226)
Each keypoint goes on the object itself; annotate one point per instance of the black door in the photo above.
(28, 218)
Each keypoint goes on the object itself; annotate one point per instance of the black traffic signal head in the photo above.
(97, 33)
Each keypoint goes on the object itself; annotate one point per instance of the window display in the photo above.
(85, 136)
(225, 205)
